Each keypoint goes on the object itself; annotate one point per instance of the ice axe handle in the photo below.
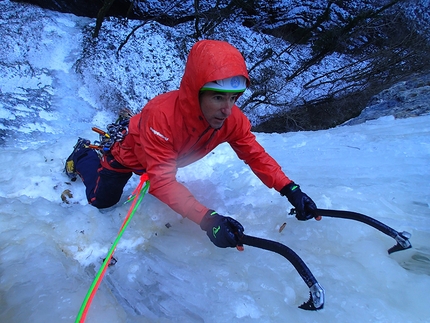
(402, 238)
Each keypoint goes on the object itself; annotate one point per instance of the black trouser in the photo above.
(104, 187)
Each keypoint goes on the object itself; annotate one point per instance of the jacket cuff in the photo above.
(206, 220)
(289, 189)
(197, 215)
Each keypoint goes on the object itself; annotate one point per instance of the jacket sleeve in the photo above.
(247, 148)
(161, 167)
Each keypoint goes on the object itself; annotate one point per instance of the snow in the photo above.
(51, 250)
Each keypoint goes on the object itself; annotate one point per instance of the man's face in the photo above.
(216, 106)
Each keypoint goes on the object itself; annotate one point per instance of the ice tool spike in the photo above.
(316, 298)
(403, 242)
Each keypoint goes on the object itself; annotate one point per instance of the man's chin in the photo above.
(218, 124)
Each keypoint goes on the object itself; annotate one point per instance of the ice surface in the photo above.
(51, 250)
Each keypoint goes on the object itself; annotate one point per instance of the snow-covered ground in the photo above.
(51, 250)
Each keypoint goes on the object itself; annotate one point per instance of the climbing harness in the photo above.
(115, 132)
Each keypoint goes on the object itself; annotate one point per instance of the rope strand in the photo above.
(136, 197)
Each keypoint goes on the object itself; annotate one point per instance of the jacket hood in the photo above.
(208, 60)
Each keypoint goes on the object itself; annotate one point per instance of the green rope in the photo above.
(141, 192)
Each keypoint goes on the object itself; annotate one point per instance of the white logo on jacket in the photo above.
(158, 134)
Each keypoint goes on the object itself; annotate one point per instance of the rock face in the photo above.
(405, 99)
(85, 8)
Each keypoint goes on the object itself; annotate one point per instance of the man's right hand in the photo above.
(223, 231)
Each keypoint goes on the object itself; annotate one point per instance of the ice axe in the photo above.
(316, 299)
(402, 238)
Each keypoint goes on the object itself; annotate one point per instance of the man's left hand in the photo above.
(305, 207)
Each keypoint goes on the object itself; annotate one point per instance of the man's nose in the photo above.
(226, 109)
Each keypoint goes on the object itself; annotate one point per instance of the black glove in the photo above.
(305, 207)
(223, 231)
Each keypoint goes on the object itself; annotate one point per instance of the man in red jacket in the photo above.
(180, 127)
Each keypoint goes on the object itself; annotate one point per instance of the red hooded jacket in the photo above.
(171, 132)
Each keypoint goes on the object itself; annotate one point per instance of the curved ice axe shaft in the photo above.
(402, 238)
(316, 299)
